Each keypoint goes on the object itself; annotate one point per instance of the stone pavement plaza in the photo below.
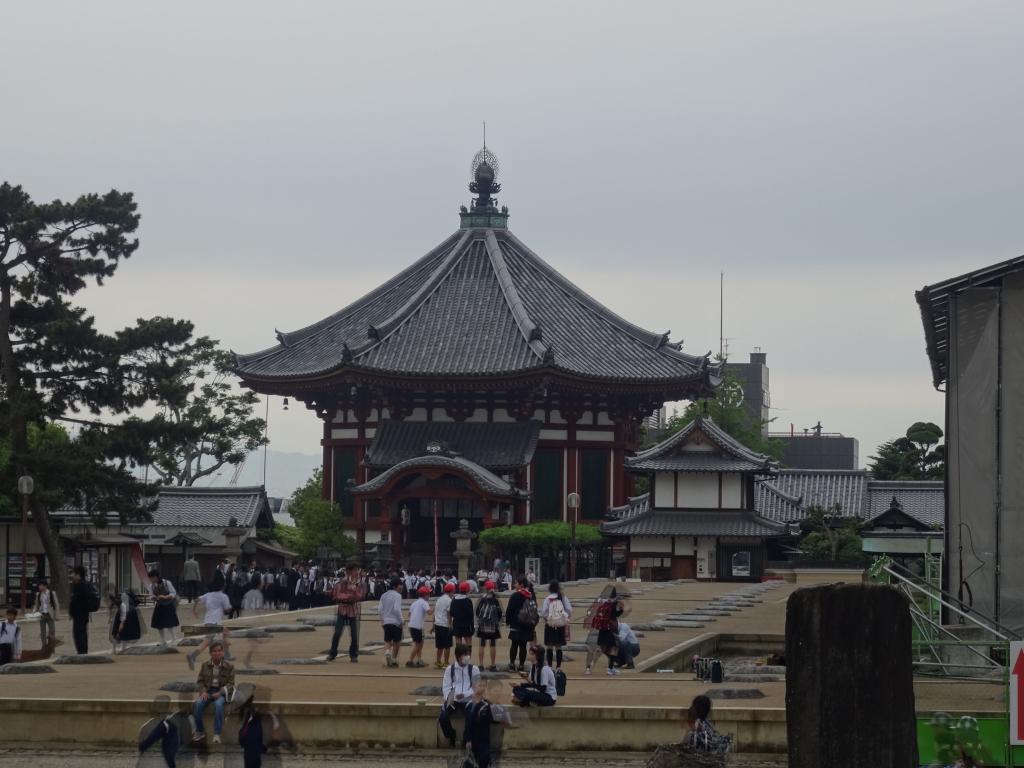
(366, 707)
(141, 677)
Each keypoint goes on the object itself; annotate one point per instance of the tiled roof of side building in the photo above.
(791, 491)
(211, 507)
(732, 455)
(693, 523)
(635, 505)
(923, 500)
(479, 304)
(934, 303)
(495, 445)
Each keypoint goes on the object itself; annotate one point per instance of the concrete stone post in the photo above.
(849, 678)
(463, 547)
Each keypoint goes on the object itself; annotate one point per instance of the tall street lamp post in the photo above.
(25, 487)
(573, 502)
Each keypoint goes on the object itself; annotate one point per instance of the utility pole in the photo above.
(25, 487)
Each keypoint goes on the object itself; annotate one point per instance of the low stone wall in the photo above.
(368, 726)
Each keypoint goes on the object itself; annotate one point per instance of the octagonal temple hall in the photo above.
(478, 383)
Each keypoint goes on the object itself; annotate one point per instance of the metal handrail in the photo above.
(948, 601)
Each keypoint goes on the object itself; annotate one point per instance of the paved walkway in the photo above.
(141, 677)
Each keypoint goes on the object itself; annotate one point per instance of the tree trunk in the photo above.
(54, 554)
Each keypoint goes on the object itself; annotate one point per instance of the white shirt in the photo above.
(549, 600)
(626, 634)
(44, 602)
(389, 609)
(216, 604)
(417, 612)
(167, 584)
(458, 681)
(441, 610)
(547, 681)
(10, 634)
(251, 600)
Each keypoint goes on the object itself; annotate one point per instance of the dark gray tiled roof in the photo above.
(211, 507)
(487, 480)
(693, 523)
(731, 456)
(481, 303)
(934, 303)
(496, 446)
(924, 501)
(634, 506)
(791, 491)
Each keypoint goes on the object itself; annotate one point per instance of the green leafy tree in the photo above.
(319, 522)
(54, 363)
(830, 536)
(728, 412)
(542, 539)
(204, 423)
(918, 455)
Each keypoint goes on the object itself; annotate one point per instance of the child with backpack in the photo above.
(522, 617)
(540, 687)
(488, 623)
(557, 612)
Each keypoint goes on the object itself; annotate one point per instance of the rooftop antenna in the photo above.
(721, 316)
(485, 134)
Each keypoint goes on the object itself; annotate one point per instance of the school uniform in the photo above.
(166, 732)
(250, 739)
(488, 616)
(456, 693)
(540, 690)
(555, 636)
(477, 731)
(417, 615)
(462, 616)
(10, 642)
(128, 614)
(165, 615)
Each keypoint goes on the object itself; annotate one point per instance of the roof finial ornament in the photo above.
(485, 168)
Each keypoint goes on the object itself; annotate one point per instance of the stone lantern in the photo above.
(463, 547)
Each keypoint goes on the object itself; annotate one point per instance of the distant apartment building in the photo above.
(810, 448)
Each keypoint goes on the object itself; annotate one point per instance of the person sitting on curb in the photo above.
(540, 687)
(701, 735)
(10, 638)
(456, 689)
(216, 680)
(390, 613)
(217, 604)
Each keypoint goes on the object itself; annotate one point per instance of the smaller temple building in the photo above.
(698, 518)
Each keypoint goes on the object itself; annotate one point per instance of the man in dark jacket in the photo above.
(78, 610)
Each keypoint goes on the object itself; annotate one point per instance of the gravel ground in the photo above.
(98, 758)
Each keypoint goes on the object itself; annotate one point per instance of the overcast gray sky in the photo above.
(830, 158)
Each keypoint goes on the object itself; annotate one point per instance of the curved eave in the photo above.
(488, 483)
(694, 385)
